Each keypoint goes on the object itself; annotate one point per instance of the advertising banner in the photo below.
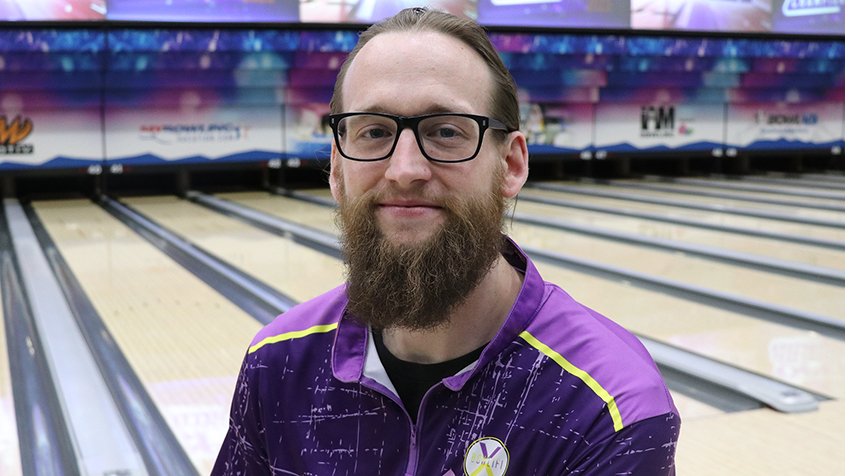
(552, 61)
(155, 136)
(558, 78)
(665, 95)
(659, 127)
(48, 138)
(558, 44)
(307, 132)
(785, 126)
(556, 128)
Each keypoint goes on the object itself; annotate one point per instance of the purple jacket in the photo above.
(560, 390)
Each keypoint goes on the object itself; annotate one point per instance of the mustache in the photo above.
(392, 194)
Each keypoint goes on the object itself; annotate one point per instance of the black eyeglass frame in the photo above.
(413, 122)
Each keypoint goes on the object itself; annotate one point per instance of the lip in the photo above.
(409, 208)
(408, 204)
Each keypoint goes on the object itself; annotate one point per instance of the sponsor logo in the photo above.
(11, 136)
(187, 133)
(800, 8)
(657, 121)
(809, 119)
(486, 457)
(685, 130)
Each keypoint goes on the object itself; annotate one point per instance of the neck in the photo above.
(471, 325)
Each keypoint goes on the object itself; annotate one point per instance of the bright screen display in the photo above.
(49, 10)
(371, 11)
(822, 17)
(262, 11)
(801, 16)
(702, 15)
(551, 13)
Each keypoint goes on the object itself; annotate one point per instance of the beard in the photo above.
(416, 286)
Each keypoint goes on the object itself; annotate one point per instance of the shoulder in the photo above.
(608, 359)
(314, 317)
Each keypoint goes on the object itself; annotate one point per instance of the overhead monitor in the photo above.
(263, 11)
(52, 10)
(814, 17)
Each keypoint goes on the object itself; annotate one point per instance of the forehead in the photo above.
(416, 73)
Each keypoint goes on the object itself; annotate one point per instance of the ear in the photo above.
(516, 164)
(335, 174)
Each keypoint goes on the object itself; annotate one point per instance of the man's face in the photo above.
(410, 74)
(418, 235)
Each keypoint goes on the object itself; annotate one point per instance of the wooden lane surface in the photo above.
(793, 212)
(10, 456)
(680, 188)
(805, 254)
(795, 293)
(183, 339)
(764, 442)
(763, 224)
(314, 216)
(800, 357)
(783, 189)
(293, 269)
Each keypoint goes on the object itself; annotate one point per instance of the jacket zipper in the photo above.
(414, 450)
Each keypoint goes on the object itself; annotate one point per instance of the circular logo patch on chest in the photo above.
(486, 457)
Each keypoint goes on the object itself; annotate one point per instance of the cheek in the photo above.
(359, 177)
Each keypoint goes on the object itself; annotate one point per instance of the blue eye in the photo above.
(376, 133)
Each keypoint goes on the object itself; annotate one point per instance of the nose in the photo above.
(407, 164)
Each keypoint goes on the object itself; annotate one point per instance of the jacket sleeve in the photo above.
(644, 448)
(244, 450)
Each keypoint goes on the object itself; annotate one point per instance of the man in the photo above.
(446, 353)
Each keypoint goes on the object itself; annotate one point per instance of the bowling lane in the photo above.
(183, 339)
(782, 189)
(309, 214)
(833, 176)
(786, 291)
(793, 212)
(806, 254)
(799, 357)
(10, 459)
(764, 442)
(293, 269)
(805, 183)
(681, 188)
(763, 224)
(692, 409)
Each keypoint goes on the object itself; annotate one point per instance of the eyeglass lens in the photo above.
(446, 137)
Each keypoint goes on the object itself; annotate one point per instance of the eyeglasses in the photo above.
(371, 136)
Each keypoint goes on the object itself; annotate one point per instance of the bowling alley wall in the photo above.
(110, 99)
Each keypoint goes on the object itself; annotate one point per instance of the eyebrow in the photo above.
(433, 109)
